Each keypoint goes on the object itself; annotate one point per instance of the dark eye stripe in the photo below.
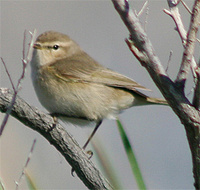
(49, 47)
(55, 47)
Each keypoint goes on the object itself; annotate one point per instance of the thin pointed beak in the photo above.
(37, 46)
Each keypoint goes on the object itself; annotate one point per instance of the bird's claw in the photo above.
(90, 153)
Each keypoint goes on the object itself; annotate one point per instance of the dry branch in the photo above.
(190, 45)
(57, 136)
(25, 60)
(142, 48)
(175, 15)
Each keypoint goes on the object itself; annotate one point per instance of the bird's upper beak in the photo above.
(37, 46)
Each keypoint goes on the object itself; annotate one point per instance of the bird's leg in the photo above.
(55, 119)
(89, 152)
(92, 134)
(87, 142)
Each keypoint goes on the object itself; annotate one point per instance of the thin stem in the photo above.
(17, 88)
(190, 46)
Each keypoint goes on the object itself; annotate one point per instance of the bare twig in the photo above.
(175, 15)
(143, 8)
(190, 45)
(146, 19)
(13, 86)
(169, 60)
(186, 7)
(141, 12)
(16, 89)
(176, 2)
(24, 45)
(142, 48)
(56, 136)
(26, 164)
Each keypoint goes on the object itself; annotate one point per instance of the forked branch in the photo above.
(141, 47)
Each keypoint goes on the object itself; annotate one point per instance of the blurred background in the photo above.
(155, 132)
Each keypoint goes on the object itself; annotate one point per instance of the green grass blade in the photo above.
(30, 182)
(1, 185)
(131, 157)
(105, 163)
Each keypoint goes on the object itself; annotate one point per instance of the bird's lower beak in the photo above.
(37, 46)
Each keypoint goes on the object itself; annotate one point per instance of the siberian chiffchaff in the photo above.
(69, 83)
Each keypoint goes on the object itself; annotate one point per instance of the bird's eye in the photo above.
(55, 47)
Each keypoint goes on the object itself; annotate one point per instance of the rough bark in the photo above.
(57, 136)
(142, 48)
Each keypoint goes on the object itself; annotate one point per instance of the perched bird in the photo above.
(71, 84)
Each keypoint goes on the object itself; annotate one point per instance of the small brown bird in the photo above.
(69, 83)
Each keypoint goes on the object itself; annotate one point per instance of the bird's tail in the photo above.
(157, 101)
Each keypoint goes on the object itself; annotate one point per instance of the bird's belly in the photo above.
(83, 100)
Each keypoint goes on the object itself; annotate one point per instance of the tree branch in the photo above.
(190, 45)
(57, 136)
(196, 99)
(25, 61)
(175, 15)
(142, 48)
